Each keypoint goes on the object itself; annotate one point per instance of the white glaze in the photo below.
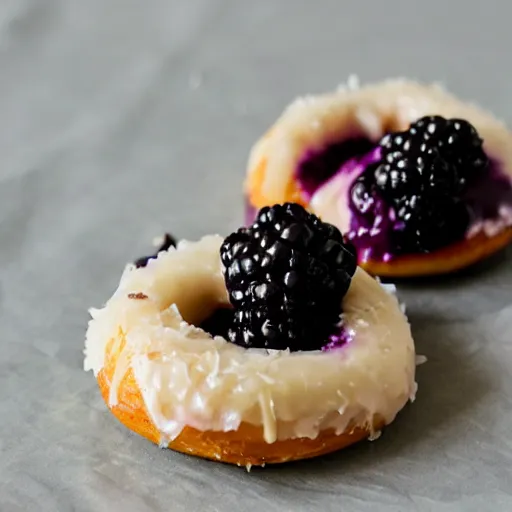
(331, 201)
(188, 378)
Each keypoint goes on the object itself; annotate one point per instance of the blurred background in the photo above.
(122, 119)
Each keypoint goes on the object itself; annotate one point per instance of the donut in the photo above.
(420, 181)
(288, 374)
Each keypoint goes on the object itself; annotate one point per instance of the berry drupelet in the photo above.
(286, 276)
(422, 175)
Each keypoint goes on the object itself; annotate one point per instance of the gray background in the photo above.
(120, 119)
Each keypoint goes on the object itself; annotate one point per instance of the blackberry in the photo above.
(423, 228)
(422, 174)
(456, 140)
(167, 242)
(401, 176)
(397, 176)
(286, 276)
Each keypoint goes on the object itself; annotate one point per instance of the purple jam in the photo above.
(487, 195)
(317, 167)
(370, 233)
(339, 339)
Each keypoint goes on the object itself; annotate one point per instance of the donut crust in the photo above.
(447, 260)
(244, 446)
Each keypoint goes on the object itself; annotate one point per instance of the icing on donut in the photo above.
(189, 379)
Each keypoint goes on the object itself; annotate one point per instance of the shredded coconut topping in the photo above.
(186, 377)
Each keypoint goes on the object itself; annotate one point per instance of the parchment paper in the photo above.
(120, 119)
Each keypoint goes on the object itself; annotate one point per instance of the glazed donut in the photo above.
(351, 157)
(167, 379)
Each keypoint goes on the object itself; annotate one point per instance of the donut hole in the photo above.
(218, 322)
(197, 304)
(189, 279)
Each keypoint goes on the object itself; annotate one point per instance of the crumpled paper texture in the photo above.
(122, 119)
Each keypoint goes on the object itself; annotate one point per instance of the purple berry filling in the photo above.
(373, 221)
(487, 195)
(338, 340)
(370, 233)
(317, 167)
